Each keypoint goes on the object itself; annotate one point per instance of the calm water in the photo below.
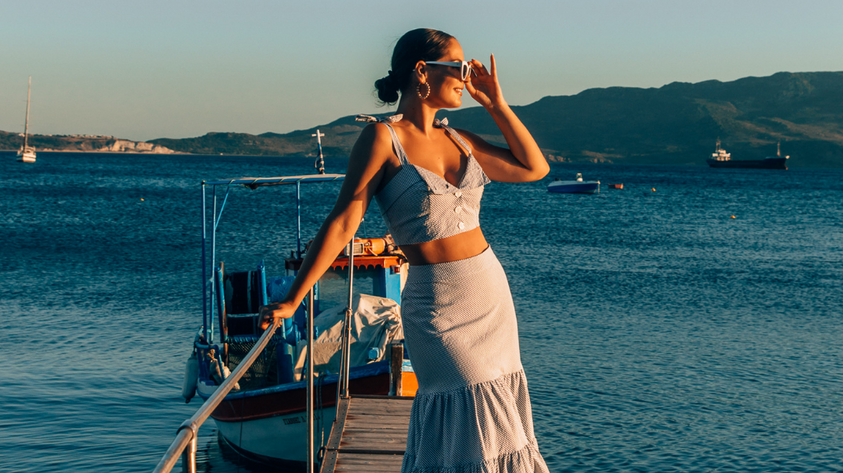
(658, 333)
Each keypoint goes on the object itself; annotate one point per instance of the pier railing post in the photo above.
(188, 458)
(310, 326)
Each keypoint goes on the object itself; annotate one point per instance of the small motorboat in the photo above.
(264, 417)
(615, 186)
(577, 186)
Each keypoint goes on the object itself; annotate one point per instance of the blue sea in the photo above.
(691, 322)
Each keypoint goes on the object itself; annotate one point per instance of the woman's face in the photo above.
(446, 87)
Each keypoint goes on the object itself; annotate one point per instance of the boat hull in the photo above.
(269, 425)
(280, 440)
(769, 163)
(27, 156)
(574, 187)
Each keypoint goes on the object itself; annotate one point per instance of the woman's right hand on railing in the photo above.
(275, 311)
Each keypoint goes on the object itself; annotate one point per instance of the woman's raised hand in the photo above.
(270, 313)
(484, 86)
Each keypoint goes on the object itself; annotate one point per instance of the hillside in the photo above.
(674, 124)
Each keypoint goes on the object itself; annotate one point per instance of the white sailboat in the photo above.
(27, 153)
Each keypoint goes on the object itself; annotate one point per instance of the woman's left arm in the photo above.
(523, 161)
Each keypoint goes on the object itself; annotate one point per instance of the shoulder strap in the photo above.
(396, 143)
(444, 125)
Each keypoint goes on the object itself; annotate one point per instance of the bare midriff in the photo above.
(453, 248)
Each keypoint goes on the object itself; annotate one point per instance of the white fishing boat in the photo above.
(27, 153)
(264, 416)
(577, 186)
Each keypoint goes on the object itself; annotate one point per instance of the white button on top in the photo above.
(458, 209)
(458, 193)
(461, 226)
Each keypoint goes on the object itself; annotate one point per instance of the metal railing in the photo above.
(185, 442)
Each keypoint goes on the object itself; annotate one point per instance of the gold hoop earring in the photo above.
(427, 91)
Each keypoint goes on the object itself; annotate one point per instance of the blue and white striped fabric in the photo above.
(472, 411)
(420, 206)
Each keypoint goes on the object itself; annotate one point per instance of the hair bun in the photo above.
(387, 89)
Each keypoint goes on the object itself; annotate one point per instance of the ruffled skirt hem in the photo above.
(485, 427)
(526, 460)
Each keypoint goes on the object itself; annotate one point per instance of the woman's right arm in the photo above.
(365, 172)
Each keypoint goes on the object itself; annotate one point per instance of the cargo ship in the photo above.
(721, 159)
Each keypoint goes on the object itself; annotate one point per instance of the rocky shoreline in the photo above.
(82, 143)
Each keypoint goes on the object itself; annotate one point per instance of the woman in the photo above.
(472, 410)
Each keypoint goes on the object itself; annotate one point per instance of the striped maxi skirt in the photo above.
(472, 411)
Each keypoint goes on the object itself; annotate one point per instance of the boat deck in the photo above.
(369, 435)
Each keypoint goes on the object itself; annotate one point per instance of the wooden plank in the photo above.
(370, 463)
(329, 463)
(330, 460)
(382, 397)
(363, 423)
(373, 419)
(368, 398)
(370, 438)
(392, 429)
(386, 414)
(384, 408)
(339, 424)
(362, 458)
(378, 416)
(374, 405)
(364, 434)
(365, 459)
(372, 444)
(373, 432)
(370, 435)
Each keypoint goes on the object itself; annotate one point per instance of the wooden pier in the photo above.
(369, 435)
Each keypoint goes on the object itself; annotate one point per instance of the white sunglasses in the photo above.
(465, 67)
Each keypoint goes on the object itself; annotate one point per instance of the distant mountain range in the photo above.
(675, 124)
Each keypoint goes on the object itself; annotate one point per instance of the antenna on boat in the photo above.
(320, 161)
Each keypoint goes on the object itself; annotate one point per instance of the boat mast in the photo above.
(26, 123)
(320, 161)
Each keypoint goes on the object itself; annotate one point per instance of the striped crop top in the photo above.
(420, 206)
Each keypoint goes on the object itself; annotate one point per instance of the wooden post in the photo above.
(396, 363)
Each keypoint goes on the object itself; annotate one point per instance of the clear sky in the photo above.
(149, 69)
